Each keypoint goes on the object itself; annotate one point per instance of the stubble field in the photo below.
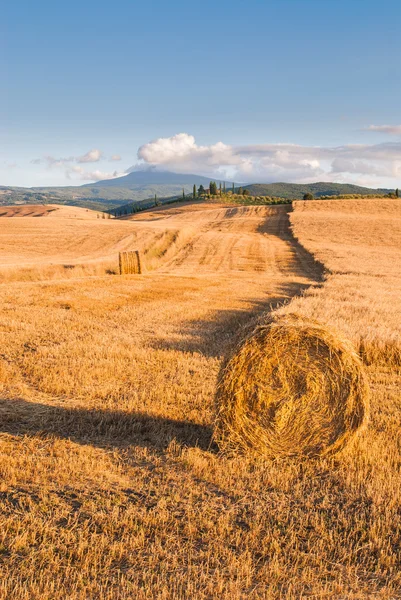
(111, 486)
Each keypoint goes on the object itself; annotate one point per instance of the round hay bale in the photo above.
(292, 388)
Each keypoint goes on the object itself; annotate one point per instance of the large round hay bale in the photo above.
(292, 387)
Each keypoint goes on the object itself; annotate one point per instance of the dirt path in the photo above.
(237, 241)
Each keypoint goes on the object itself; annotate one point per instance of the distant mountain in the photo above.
(143, 185)
(152, 177)
(134, 187)
(292, 191)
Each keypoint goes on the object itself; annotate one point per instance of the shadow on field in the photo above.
(100, 428)
(216, 335)
(303, 263)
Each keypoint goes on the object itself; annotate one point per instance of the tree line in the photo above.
(214, 191)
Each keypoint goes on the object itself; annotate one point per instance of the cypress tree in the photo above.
(183, 194)
(220, 188)
(233, 188)
(213, 188)
(194, 192)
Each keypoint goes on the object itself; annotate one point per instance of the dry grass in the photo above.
(292, 388)
(49, 210)
(110, 485)
(359, 242)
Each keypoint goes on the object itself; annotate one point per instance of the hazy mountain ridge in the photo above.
(135, 186)
(143, 185)
(153, 177)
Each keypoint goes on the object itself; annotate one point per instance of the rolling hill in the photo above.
(143, 185)
(294, 191)
(109, 193)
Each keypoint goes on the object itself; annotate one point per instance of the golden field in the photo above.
(359, 243)
(111, 486)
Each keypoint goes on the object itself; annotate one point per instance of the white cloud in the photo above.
(73, 170)
(80, 173)
(391, 129)
(92, 156)
(181, 149)
(51, 161)
(380, 164)
(274, 162)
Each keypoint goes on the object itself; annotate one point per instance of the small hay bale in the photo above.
(129, 263)
(292, 388)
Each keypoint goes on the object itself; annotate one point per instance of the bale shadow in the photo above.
(100, 428)
(217, 334)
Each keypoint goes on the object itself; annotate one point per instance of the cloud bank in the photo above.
(373, 165)
(390, 129)
(91, 156)
(74, 171)
(80, 173)
(359, 163)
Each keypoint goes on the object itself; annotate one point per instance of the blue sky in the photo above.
(261, 90)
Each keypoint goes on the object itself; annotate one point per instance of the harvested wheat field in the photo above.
(112, 484)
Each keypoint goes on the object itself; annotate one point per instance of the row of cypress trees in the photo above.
(213, 190)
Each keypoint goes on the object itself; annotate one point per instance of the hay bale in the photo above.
(129, 263)
(291, 388)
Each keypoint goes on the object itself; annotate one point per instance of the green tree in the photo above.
(246, 193)
(397, 193)
(220, 188)
(201, 190)
(240, 191)
(183, 194)
(194, 192)
(308, 196)
(233, 188)
(224, 188)
(213, 188)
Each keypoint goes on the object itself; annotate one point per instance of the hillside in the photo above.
(143, 185)
(295, 191)
(109, 193)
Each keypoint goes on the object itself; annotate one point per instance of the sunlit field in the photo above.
(111, 484)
